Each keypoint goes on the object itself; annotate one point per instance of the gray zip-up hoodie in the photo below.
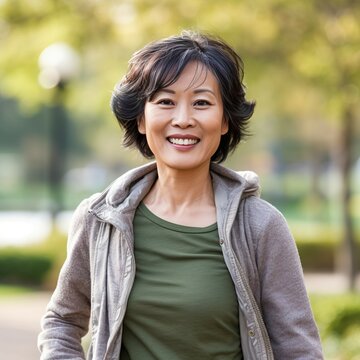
(275, 318)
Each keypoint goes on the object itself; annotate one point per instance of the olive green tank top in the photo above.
(183, 303)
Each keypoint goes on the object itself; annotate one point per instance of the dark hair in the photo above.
(160, 63)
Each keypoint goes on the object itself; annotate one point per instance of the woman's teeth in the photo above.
(183, 141)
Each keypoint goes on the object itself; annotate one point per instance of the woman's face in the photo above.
(183, 122)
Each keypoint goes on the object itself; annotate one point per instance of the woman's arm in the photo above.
(284, 301)
(67, 315)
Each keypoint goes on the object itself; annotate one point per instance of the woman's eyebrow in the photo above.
(196, 91)
(201, 90)
(166, 91)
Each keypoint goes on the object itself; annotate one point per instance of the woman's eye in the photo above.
(202, 103)
(165, 102)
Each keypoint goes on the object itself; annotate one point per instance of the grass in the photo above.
(13, 290)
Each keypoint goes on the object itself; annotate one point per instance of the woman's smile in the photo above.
(186, 141)
(183, 142)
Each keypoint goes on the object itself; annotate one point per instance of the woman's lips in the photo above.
(183, 139)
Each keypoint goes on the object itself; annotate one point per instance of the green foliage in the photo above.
(36, 265)
(337, 317)
(18, 267)
(344, 320)
(55, 248)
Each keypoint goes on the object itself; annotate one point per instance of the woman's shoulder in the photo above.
(82, 213)
(84, 207)
(261, 215)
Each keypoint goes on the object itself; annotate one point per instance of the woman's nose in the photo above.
(183, 117)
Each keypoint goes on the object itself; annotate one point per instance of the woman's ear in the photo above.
(141, 125)
(224, 126)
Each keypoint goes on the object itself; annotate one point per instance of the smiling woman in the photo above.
(180, 258)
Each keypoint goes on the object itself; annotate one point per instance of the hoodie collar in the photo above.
(126, 192)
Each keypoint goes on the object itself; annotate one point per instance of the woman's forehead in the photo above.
(193, 75)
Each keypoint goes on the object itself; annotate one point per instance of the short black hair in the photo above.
(160, 63)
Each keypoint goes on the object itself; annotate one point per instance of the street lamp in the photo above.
(58, 64)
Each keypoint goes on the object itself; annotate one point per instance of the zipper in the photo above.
(236, 265)
(119, 318)
(110, 348)
(255, 308)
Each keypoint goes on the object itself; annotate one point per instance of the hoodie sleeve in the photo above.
(67, 315)
(283, 297)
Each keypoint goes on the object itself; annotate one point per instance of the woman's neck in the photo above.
(183, 197)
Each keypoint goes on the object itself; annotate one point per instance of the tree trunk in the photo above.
(348, 253)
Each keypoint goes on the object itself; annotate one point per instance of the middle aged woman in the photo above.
(186, 262)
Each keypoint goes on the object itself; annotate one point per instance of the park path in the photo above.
(20, 324)
(20, 316)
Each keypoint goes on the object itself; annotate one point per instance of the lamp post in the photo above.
(58, 64)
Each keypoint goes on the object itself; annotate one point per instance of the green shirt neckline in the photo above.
(173, 226)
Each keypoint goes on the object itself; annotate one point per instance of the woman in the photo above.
(180, 259)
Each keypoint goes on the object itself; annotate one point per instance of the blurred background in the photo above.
(59, 142)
